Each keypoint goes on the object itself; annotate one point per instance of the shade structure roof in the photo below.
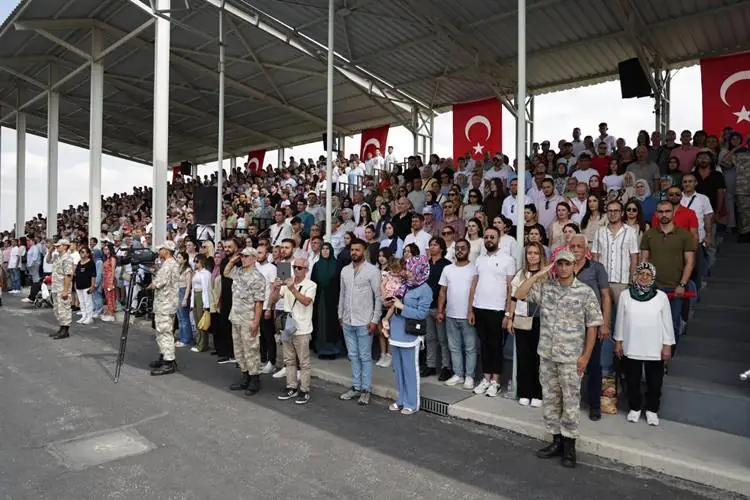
(391, 55)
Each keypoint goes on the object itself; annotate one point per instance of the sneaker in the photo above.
(302, 398)
(108, 319)
(445, 374)
(222, 360)
(268, 368)
(652, 418)
(194, 349)
(408, 411)
(482, 387)
(364, 398)
(87, 321)
(493, 390)
(352, 393)
(524, 401)
(27, 300)
(280, 374)
(287, 394)
(469, 383)
(380, 361)
(634, 416)
(388, 361)
(454, 380)
(179, 344)
(394, 407)
(536, 403)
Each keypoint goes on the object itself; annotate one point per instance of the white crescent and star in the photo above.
(481, 120)
(372, 141)
(253, 160)
(743, 114)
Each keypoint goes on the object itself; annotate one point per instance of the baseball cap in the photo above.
(427, 210)
(249, 252)
(565, 255)
(167, 245)
(62, 242)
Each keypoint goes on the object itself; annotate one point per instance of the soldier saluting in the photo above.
(166, 286)
(569, 320)
(62, 287)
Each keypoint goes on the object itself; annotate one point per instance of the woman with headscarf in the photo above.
(646, 199)
(326, 273)
(628, 187)
(644, 336)
(412, 306)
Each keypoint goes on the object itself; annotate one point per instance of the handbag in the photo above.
(523, 322)
(416, 327)
(290, 325)
(204, 324)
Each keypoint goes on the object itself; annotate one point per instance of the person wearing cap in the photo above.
(166, 284)
(63, 270)
(570, 318)
(248, 295)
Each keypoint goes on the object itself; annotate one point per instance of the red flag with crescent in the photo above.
(477, 128)
(176, 171)
(372, 139)
(255, 161)
(726, 93)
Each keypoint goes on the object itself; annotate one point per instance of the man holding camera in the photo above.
(62, 288)
(166, 285)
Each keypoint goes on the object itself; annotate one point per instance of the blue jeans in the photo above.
(676, 307)
(462, 341)
(15, 279)
(183, 319)
(359, 346)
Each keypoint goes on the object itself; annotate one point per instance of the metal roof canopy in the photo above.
(391, 56)
(275, 98)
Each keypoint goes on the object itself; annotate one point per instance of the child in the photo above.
(391, 286)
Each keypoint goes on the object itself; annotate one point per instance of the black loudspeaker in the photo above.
(204, 204)
(334, 147)
(633, 81)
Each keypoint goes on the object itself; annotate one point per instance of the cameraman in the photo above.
(165, 285)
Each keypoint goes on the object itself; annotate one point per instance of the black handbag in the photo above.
(416, 327)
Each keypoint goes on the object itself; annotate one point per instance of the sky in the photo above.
(555, 117)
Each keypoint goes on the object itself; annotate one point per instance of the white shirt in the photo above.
(378, 163)
(450, 252)
(644, 327)
(492, 286)
(578, 147)
(422, 240)
(279, 232)
(509, 246)
(510, 208)
(312, 258)
(15, 258)
(302, 314)
(201, 281)
(613, 182)
(581, 207)
(585, 175)
(457, 281)
(608, 140)
(701, 205)
(614, 251)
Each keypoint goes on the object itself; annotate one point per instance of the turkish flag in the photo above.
(726, 93)
(372, 139)
(176, 170)
(254, 164)
(477, 128)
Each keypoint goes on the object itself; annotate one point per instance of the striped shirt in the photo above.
(614, 251)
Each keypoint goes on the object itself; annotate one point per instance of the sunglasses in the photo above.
(298, 268)
(446, 233)
(631, 209)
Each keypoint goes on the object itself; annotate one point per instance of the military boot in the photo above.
(157, 364)
(64, 333)
(242, 384)
(58, 332)
(553, 450)
(569, 453)
(166, 368)
(253, 385)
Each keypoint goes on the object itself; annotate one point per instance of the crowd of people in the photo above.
(617, 242)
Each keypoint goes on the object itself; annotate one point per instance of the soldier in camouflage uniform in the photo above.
(166, 286)
(741, 163)
(569, 320)
(62, 288)
(248, 294)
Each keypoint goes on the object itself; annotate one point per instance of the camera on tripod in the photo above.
(136, 256)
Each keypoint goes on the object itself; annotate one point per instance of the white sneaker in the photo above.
(652, 418)
(79, 320)
(388, 361)
(524, 401)
(27, 300)
(179, 344)
(380, 361)
(280, 374)
(454, 380)
(80, 313)
(493, 390)
(194, 349)
(634, 416)
(86, 321)
(108, 319)
(468, 383)
(482, 387)
(268, 368)
(536, 403)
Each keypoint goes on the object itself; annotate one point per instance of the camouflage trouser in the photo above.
(246, 348)
(561, 390)
(743, 213)
(164, 339)
(63, 313)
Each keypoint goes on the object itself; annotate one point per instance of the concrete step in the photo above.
(706, 404)
(717, 348)
(726, 294)
(708, 370)
(721, 326)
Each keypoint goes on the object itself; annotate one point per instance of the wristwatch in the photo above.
(682, 285)
(507, 314)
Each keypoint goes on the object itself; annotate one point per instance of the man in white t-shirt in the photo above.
(267, 330)
(701, 205)
(418, 236)
(453, 308)
(584, 172)
(280, 230)
(510, 203)
(490, 293)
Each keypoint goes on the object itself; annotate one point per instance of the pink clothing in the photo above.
(686, 157)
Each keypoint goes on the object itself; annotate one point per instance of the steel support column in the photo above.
(96, 123)
(663, 79)
(280, 158)
(233, 163)
(161, 125)
(20, 170)
(329, 120)
(53, 132)
(220, 155)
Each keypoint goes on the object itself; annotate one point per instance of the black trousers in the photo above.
(489, 325)
(594, 377)
(267, 340)
(654, 378)
(223, 337)
(527, 363)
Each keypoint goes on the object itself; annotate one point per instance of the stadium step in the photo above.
(718, 371)
(716, 348)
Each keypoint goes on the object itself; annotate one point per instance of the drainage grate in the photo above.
(433, 406)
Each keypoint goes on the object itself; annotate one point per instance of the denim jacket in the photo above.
(416, 306)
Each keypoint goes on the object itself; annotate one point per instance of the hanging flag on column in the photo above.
(477, 128)
(726, 93)
(372, 139)
(255, 161)
(176, 170)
